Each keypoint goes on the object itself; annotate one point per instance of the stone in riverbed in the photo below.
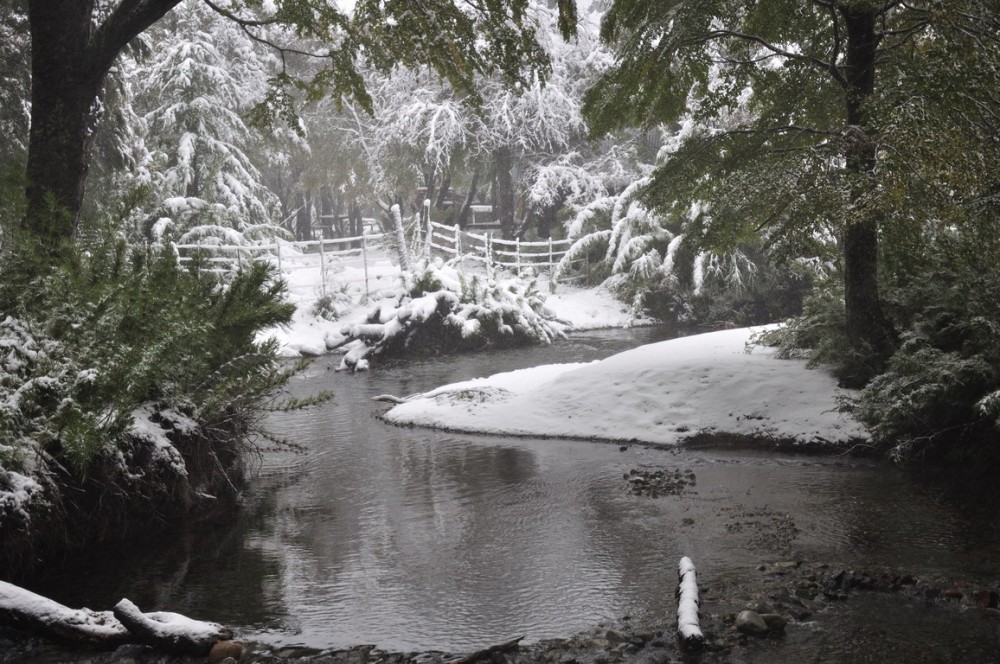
(775, 622)
(223, 650)
(750, 622)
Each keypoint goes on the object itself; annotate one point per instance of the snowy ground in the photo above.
(354, 296)
(660, 393)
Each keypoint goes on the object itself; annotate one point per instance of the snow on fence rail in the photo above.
(456, 243)
(287, 256)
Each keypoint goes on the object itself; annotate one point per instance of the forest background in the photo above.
(714, 162)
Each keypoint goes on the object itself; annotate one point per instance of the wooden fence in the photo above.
(321, 255)
(453, 242)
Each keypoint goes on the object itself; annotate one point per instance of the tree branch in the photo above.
(245, 22)
(130, 19)
(830, 67)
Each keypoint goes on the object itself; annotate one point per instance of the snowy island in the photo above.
(661, 393)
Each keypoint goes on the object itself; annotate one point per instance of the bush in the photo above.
(129, 386)
(442, 310)
(940, 396)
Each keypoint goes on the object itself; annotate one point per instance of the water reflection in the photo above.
(417, 539)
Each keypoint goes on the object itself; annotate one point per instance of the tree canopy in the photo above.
(75, 42)
(798, 110)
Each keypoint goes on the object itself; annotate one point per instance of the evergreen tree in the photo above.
(74, 43)
(203, 76)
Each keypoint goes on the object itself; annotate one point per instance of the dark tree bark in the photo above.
(303, 218)
(867, 327)
(462, 219)
(443, 192)
(504, 192)
(70, 57)
(356, 222)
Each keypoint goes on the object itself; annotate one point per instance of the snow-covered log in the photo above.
(688, 622)
(26, 610)
(170, 632)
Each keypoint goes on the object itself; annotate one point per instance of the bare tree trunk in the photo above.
(504, 206)
(70, 58)
(443, 192)
(303, 218)
(463, 215)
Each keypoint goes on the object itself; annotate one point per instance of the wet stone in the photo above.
(750, 622)
(775, 622)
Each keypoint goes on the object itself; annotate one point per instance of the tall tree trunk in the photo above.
(64, 88)
(70, 57)
(356, 221)
(504, 192)
(868, 329)
(443, 192)
(303, 218)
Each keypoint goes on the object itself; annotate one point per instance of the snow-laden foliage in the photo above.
(121, 373)
(939, 396)
(425, 138)
(203, 75)
(15, 83)
(443, 310)
(651, 260)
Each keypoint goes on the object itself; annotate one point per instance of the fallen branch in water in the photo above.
(688, 621)
(23, 609)
(170, 632)
(389, 398)
(487, 653)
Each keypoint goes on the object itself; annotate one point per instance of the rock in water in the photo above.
(750, 622)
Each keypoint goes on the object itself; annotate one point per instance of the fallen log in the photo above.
(170, 632)
(688, 621)
(23, 609)
(389, 398)
(487, 653)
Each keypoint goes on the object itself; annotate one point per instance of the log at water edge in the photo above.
(688, 621)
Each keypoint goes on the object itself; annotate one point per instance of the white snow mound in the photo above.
(659, 393)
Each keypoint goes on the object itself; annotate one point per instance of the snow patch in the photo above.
(660, 393)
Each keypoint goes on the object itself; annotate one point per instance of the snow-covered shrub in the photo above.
(129, 387)
(653, 261)
(939, 394)
(442, 310)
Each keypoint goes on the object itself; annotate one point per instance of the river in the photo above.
(417, 539)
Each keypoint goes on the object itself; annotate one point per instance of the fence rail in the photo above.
(287, 256)
(456, 243)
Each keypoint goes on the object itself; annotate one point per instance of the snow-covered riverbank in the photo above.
(661, 393)
(582, 308)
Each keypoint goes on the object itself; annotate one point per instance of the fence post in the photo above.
(458, 242)
(517, 255)
(551, 257)
(489, 254)
(322, 268)
(277, 250)
(364, 260)
(397, 220)
(430, 229)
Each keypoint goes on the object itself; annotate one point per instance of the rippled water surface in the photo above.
(416, 539)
